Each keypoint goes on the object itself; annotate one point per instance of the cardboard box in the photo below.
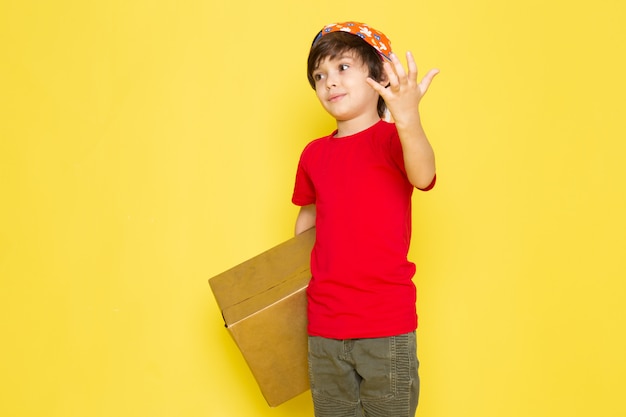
(263, 302)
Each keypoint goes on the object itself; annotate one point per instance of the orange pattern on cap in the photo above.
(375, 38)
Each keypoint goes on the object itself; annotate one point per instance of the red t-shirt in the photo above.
(361, 282)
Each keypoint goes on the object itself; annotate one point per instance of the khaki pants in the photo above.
(364, 377)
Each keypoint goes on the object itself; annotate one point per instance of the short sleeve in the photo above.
(304, 191)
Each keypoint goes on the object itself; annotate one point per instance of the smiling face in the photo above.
(336, 45)
(342, 90)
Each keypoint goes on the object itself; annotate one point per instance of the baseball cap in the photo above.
(374, 37)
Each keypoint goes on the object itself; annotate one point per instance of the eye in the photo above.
(318, 77)
(343, 67)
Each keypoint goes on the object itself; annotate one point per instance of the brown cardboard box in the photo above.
(263, 301)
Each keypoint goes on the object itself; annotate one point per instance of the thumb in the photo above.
(377, 86)
(428, 78)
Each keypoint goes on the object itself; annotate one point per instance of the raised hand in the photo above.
(402, 92)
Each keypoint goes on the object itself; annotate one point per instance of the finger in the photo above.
(399, 69)
(392, 77)
(428, 78)
(411, 65)
(379, 88)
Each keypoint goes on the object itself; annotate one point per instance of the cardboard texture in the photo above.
(263, 302)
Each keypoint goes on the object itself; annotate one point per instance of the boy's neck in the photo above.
(356, 125)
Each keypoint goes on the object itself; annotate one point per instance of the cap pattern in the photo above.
(375, 38)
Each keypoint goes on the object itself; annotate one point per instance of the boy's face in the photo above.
(341, 88)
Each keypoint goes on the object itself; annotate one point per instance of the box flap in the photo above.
(264, 279)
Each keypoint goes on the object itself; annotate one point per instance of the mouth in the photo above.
(335, 97)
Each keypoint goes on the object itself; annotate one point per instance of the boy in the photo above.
(355, 186)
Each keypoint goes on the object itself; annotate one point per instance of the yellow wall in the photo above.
(147, 146)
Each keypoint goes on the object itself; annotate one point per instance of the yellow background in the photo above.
(146, 146)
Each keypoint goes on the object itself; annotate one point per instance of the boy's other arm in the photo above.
(305, 219)
(402, 98)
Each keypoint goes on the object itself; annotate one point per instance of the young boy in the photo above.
(355, 186)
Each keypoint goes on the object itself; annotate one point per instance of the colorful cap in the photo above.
(370, 35)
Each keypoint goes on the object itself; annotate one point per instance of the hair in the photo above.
(335, 44)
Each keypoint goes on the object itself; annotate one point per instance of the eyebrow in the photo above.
(345, 55)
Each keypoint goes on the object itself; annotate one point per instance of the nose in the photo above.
(331, 80)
